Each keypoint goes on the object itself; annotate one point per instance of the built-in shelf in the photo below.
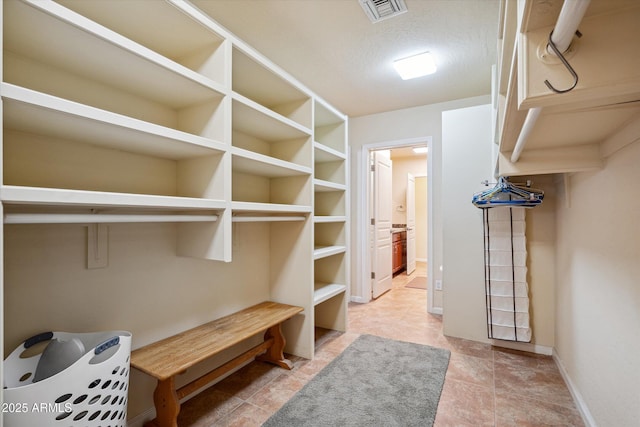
(64, 38)
(321, 186)
(151, 112)
(320, 219)
(38, 196)
(249, 162)
(324, 154)
(251, 118)
(29, 111)
(259, 81)
(539, 131)
(324, 291)
(268, 208)
(327, 251)
(195, 41)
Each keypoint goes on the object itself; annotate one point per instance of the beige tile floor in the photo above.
(484, 386)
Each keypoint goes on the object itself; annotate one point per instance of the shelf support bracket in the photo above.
(97, 246)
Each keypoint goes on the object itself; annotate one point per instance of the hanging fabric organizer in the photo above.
(505, 258)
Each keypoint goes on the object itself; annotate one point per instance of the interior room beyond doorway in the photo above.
(399, 213)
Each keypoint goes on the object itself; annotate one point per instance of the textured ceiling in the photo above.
(333, 48)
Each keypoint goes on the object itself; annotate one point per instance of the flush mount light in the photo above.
(415, 66)
(420, 150)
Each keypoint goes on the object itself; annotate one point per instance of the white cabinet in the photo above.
(149, 111)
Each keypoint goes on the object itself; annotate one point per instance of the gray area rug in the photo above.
(374, 382)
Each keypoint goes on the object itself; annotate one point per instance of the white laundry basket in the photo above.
(92, 391)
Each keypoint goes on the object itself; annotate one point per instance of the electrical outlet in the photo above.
(438, 285)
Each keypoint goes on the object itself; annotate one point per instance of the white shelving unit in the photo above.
(577, 130)
(331, 236)
(106, 119)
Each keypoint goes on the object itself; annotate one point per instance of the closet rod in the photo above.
(570, 17)
(267, 218)
(69, 218)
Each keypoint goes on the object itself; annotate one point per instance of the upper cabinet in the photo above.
(542, 130)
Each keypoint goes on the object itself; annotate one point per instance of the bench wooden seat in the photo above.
(172, 356)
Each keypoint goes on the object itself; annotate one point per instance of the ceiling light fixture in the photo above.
(414, 66)
(420, 150)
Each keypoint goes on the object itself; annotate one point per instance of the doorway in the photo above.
(365, 234)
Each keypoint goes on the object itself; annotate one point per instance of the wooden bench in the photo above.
(172, 356)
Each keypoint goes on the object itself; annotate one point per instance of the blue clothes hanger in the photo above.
(506, 193)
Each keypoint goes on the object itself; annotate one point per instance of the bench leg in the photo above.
(167, 404)
(275, 353)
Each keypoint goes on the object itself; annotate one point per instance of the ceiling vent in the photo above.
(379, 10)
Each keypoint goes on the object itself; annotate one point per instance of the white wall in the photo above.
(416, 122)
(598, 287)
(466, 156)
(466, 161)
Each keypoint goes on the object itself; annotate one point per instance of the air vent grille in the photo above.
(379, 10)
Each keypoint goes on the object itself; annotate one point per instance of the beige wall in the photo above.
(598, 287)
(146, 289)
(415, 166)
(421, 224)
(417, 122)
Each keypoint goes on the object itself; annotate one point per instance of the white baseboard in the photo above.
(436, 310)
(581, 405)
(358, 299)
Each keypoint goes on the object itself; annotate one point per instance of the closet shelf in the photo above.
(269, 218)
(268, 208)
(34, 112)
(326, 251)
(36, 196)
(64, 38)
(89, 218)
(318, 219)
(323, 153)
(325, 291)
(320, 185)
(257, 80)
(254, 119)
(325, 115)
(194, 40)
(258, 164)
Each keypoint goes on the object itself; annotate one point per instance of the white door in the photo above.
(411, 223)
(382, 248)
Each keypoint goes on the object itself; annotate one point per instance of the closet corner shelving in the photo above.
(108, 120)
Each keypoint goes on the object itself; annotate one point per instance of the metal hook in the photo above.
(566, 64)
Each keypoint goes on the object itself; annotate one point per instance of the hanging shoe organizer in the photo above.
(505, 258)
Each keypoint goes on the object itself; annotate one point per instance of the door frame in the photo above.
(362, 271)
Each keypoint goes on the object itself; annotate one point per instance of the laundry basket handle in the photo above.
(107, 344)
(44, 336)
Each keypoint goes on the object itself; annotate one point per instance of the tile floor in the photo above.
(484, 386)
